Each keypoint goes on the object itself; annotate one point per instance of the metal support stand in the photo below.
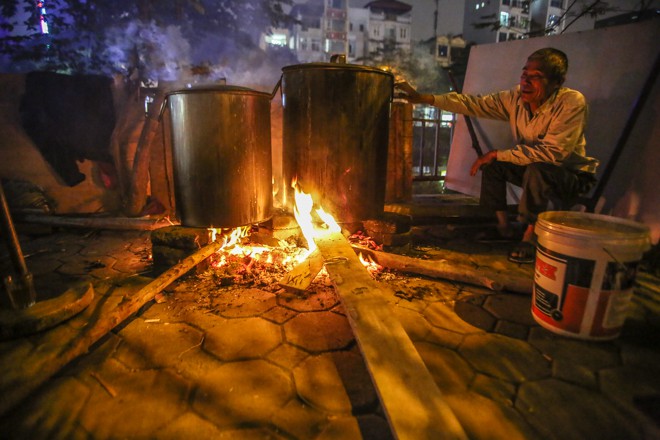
(20, 288)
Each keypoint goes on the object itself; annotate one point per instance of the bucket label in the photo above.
(617, 290)
(561, 288)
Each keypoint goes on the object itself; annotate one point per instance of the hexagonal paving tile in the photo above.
(545, 402)
(162, 396)
(319, 331)
(591, 355)
(53, 423)
(506, 358)
(337, 382)
(510, 307)
(156, 345)
(442, 315)
(242, 303)
(243, 338)
(449, 370)
(240, 393)
(482, 418)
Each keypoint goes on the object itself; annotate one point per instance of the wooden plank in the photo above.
(45, 314)
(412, 401)
(452, 271)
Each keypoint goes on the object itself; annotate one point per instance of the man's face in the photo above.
(534, 85)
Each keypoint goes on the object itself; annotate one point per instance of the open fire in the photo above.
(242, 261)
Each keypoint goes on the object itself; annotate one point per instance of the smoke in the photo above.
(164, 54)
(161, 54)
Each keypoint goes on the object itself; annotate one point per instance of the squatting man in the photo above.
(549, 160)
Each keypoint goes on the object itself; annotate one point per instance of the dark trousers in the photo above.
(541, 183)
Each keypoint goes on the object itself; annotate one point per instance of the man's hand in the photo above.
(483, 160)
(411, 95)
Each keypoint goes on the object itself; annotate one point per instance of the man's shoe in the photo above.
(523, 253)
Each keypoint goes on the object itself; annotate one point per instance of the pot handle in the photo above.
(277, 86)
(338, 58)
(162, 107)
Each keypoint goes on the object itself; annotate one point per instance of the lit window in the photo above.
(504, 18)
(276, 40)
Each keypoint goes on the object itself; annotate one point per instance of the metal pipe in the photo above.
(21, 290)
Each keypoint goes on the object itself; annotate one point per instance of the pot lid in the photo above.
(336, 66)
(220, 88)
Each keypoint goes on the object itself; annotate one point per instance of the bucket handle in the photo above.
(619, 264)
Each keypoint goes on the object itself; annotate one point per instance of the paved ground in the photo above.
(250, 362)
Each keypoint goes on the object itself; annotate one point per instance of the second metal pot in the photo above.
(222, 156)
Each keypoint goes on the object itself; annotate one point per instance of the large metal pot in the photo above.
(222, 158)
(335, 136)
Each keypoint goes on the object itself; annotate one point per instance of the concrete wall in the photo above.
(609, 66)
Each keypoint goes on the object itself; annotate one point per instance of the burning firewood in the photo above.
(451, 271)
(302, 275)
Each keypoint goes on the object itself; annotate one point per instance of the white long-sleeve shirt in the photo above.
(554, 133)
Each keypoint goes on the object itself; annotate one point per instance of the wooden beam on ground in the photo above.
(112, 223)
(463, 273)
(414, 405)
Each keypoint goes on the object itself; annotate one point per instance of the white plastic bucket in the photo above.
(585, 268)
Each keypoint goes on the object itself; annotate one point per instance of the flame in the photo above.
(372, 267)
(303, 214)
(232, 238)
(237, 259)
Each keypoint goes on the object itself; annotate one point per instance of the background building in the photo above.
(389, 28)
(327, 27)
(492, 21)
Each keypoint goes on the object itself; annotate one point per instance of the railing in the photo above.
(432, 132)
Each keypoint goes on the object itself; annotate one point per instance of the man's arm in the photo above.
(483, 160)
(493, 106)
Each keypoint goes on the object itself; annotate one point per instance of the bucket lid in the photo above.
(232, 90)
(592, 225)
(336, 66)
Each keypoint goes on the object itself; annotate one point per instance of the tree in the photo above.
(418, 66)
(147, 38)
